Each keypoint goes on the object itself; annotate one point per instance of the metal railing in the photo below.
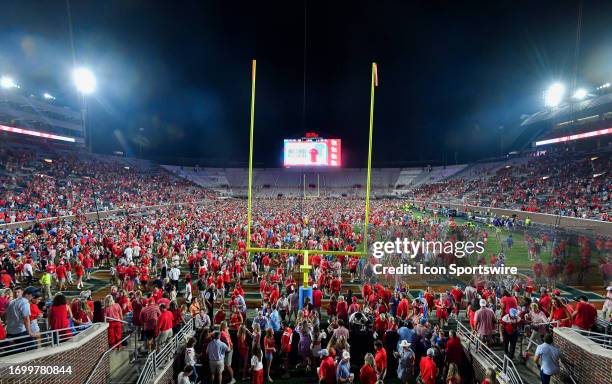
(606, 325)
(536, 341)
(159, 359)
(601, 339)
(105, 355)
(51, 338)
(503, 364)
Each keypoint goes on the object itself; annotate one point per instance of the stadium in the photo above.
(199, 198)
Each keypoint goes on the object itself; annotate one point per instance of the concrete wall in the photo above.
(597, 227)
(81, 354)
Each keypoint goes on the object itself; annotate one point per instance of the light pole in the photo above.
(85, 82)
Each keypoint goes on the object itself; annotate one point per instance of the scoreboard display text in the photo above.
(312, 153)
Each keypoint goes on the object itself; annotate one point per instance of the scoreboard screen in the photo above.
(315, 152)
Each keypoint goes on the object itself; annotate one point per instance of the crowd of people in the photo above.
(35, 187)
(567, 184)
(169, 266)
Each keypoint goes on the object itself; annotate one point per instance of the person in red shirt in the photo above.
(327, 369)
(274, 295)
(380, 360)
(367, 373)
(508, 302)
(270, 350)
(352, 264)
(235, 319)
(61, 276)
(584, 314)
(354, 307)
(454, 349)
(88, 263)
(366, 291)
(79, 271)
(286, 340)
(164, 326)
(429, 370)
(544, 302)
(342, 309)
(225, 337)
(220, 315)
(317, 299)
(5, 279)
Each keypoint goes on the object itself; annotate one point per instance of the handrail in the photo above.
(158, 359)
(503, 364)
(113, 319)
(602, 339)
(91, 375)
(51, 338)
(561, 364)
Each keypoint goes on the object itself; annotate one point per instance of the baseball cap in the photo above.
(556, 292)
(431, 352)
(346, 355)
(32, 291)
(609, 288)
(324, 352)
(513, 312)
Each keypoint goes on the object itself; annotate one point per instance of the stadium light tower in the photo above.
(580, 94)
(7, 82)
(554, 95)
(84, 80)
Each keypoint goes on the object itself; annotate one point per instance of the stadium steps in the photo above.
(526, 368)
(124, 367)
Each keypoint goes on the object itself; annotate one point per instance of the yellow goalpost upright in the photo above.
(305, 267)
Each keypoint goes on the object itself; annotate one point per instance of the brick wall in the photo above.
(584, 359)
(81, 354)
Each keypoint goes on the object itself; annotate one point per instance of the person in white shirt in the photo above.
(257, 365)
(128, 252)
(191, 359)
(28, 273)
(607, 306)
(174, 275)
(183, 377)
(202, 320)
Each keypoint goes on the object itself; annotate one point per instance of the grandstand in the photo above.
(155, 269)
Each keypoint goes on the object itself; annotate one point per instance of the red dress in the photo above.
(58, 319)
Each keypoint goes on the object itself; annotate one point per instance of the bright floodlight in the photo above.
(554, 95)
(580, 94)
(48, 96)
(84, 80)
(7, 82)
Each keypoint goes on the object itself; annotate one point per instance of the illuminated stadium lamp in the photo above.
(580, 94)
(545, 177)
(594, 158)
(48, 96)
(508, 166)
(554, 95)
(126, 167)
(7, 83)
(48, 160)
(84, 80)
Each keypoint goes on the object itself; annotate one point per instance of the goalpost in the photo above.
(312, 196)
(305, 290)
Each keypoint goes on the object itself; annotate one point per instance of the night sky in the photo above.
(175, 76)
